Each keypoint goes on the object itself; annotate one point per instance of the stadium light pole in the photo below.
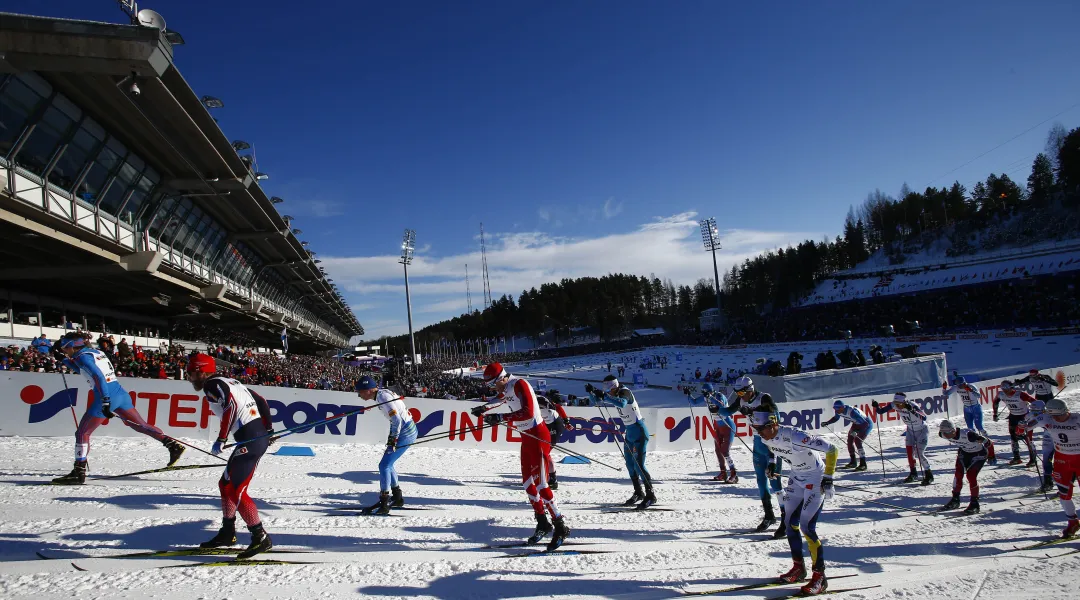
(709, 235)
(408, 243)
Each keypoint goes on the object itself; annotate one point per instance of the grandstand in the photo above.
(131, 211)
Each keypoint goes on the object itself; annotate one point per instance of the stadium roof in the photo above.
(184, 192)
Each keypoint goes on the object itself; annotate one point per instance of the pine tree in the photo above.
(1041, 181)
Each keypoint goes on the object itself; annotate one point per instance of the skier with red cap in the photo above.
(246, 415)
(524, 416)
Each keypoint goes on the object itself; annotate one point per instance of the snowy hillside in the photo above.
(470, 499)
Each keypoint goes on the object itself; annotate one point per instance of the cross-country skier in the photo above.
(402, 434)
(916, 434)
(517, 395)
(1019, 404)
(557, 422)
(973, 414)
(1064, 428)
(110, 400)
(972, 450)
(725, 432)
(750, 402)
(861, 426)
(1046, 448)
(810, 483)
(246, 415)
(1041, 385)
(635, 436)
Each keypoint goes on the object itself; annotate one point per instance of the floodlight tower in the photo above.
(408, 243)
(709, 237)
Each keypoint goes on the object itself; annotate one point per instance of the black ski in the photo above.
(556, 552)
(525, 545)
(770, 583)
(799, 594)
(619, 509)
(1043, 544)
(161, 470)
(240, 563)
(362, 508)
(184, 552)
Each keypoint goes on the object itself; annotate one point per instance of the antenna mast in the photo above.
(487, 279)
(468, 294)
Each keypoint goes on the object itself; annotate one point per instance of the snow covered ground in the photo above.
(975, 359)
(471, 498)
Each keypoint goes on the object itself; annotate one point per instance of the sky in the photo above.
(590, 136)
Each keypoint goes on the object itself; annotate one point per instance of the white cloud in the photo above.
(356, 308)
(669, 246)
(611, 208)
(544, 214)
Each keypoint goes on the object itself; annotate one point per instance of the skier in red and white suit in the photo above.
(524, 416)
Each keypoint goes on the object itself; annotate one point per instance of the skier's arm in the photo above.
(264, 410)
(562, 413)
(831, 421)
(814, 442)
(217, 392)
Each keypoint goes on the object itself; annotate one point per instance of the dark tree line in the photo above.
(612, 305)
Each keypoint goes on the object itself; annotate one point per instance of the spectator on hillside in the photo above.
(794, 367)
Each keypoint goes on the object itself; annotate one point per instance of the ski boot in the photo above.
(722, 477)
(770, 517)
(818, 585)
(1047, 484)
(972, 507)
(928, 477)
(1015, 461)
(543, 528)
(648, 500)
(553, 482)
(559, 535)
(952, 504)
(851, 464)
(638, 494)
(862, 464)
(797, 573)
(260, 542)
(733, 477)
(1071, 529)
(77, 476)
(1031, 462)
(781, 531)
(382, 507)
(396, 499)
(175, 449)
(226, 536)
(911, 476)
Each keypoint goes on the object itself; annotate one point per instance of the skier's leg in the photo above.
(134, 420)
(969, 417)
(82, 435)
(851, 443)
(811, 510)
(1065, 471)
(973, 467)
(531, 461)
(921, 440)
(958, 477)
(793, 505)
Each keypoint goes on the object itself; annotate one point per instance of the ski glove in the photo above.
(216, 449)
(391, 443)
(827, 488)
(478, 410)
(589, 388)
(106, 408)
(714, 409)
(770, 471)
(493, 419)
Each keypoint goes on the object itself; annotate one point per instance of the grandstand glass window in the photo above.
(20, 98)
(105, 163)
(48, 134)
(132, 211)
(124, 181)
(86, 141)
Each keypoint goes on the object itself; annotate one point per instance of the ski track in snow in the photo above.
(474, 499)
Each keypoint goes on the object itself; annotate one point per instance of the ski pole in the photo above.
(432, 437)
(72, 407)
(169, 437)
(894, 506)
(880, 455)
(693, 419)
(292, 430)
(559, 448)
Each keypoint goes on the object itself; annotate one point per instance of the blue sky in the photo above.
(589, 136)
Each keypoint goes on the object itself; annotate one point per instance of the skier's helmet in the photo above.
(946, 429)
(1007, 385)
(706, 388)
(960, 380)
(610, 384)
(838, 405)
(1057, 407)
(493, 373)
(744, 386)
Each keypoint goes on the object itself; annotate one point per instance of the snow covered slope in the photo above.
(471, 499)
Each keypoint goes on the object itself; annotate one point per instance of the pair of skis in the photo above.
(180, 552)
(773, 583)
